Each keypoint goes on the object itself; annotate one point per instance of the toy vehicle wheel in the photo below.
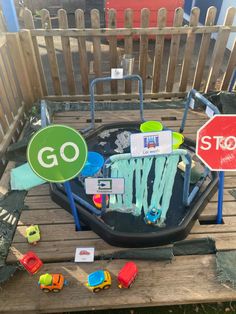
(96, 290)
(56, 290)
(46, 290)
(106, 287)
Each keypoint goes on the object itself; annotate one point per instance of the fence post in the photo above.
(31, 63)
(9, 12)
(17, 56)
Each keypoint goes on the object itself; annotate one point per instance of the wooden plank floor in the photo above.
(187, 279)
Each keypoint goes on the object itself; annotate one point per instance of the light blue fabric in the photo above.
(136, 171)
(23, 178)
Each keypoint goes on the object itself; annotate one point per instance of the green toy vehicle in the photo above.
(33, 234)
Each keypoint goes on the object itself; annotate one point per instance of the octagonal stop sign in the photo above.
(216, 143)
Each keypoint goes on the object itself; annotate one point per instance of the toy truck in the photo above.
(127, 275)
(31, 262)
(152, 216)
(33, 234)
(52, 282)
(99, 280)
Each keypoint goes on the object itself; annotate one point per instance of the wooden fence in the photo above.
(59, 63)
(16, 95)
(170, 60)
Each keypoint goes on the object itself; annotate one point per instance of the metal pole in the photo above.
(221, 173)
(72, 205)
(220, 197)
(9, 12)
(232, 81)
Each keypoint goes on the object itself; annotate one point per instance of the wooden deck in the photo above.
(187, 279)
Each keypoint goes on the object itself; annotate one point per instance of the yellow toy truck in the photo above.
(99, 280)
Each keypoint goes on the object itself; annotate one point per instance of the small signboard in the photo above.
(117, 73)
(209, 112)
(104, 185)
(151, 143)
(84, 254)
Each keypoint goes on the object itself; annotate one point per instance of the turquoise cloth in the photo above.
(23, 178)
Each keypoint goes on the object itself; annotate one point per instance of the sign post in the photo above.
(216, 147)
(58, 153)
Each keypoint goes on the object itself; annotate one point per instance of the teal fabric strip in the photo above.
(168, 186)
(143, 187)
(156, 196)
(138, 169)
(135, 171)
(114, 174)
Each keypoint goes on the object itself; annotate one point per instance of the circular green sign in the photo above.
(57, 153)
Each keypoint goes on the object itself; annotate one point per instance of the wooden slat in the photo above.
(228, 226)
(83, 59)
(95, 22)
(231, 66)
(60, 233)
(174, 49)
(120, 96)
(3, 120)
(29, 23)
(46, 23)
(2, 23)
(18, 61)
(211, 210)
(128, 43)
(12, 78)
(204, 49)
(6, 106)
(63, 23)
(143, 48)
(11, 130)
(134, 31)
(132, 114)
(219, 50)
(113, 47)
(8, 88)
(31, 63)
(45, 216)
(188, 54)
(159, 47)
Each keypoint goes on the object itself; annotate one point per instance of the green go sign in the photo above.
(57, 153)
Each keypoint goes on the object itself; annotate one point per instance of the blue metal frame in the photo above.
(108, 79)
(193, 94)
(71, 197)
(233, 80)
(9, 12)
(43, 111)
(221, 173)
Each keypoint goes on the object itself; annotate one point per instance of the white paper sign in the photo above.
(104, 185)
(84, 254)
(117, 73)
(209, 112)
(192, 103)
(151, 143)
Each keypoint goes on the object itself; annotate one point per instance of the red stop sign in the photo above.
(216, 143)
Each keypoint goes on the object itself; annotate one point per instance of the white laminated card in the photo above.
(84, 254)
(151, 143)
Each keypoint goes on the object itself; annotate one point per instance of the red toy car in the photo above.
(127, 275)
(31, 262)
